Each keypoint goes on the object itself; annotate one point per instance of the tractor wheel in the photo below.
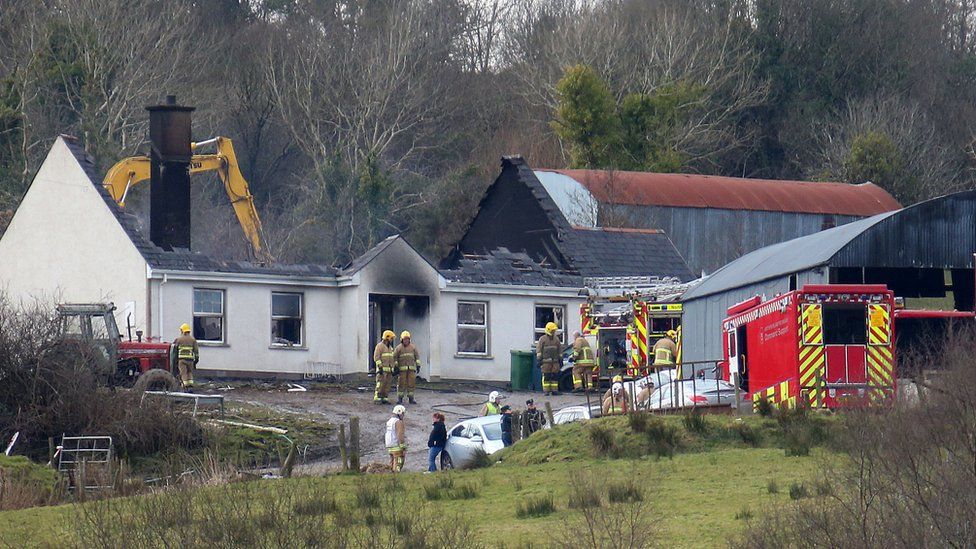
(156, 380)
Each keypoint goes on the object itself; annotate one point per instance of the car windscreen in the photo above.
(493, 431)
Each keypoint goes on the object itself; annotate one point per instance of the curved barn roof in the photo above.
(732, 193)
(936, 233)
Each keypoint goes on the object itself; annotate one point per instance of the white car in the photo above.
(571, 414)
(469, 436)
(687, 393)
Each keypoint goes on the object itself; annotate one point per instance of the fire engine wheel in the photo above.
(156, 380)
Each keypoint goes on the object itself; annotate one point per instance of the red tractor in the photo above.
(145, 365)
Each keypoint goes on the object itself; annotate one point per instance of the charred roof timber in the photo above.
(169, 191)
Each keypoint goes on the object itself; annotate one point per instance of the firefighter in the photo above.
(618, 401)
(613, 381)
(383, 358)
(187, 355)
(406, 359)
(396, 437)
(583, 364)
(549, 353)
(665, 350)
(493, 406)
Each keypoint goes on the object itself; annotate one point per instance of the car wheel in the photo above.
(446, 461)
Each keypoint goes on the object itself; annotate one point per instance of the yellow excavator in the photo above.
(131, 171)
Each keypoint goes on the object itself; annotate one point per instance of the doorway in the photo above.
(399, 313)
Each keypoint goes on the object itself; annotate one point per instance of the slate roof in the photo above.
(623, 252)
(181, 260)
(503, 267)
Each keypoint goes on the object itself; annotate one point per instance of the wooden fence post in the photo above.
(342, 447)
(516, 426)
(354, 443)
(552, 422)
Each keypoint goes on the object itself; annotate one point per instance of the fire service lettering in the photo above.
(779, 328)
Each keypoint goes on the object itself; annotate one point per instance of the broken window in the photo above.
(286, 319)
(472, 328)
(544, 314)
(208, 315)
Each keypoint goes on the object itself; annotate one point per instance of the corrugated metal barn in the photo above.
(711, 220)
(922, 251)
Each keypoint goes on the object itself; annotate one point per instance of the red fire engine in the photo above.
(624, 328)
(822, 346)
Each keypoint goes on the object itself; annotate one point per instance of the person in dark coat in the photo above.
(436, 441)
(534, 416)
(507, 425)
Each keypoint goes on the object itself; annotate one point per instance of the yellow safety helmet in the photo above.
(404, 335)
(617, 379)
(551, 328)
(672, 334)
(185, 328)
(388, 334)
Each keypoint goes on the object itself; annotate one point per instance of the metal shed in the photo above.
(924, 250)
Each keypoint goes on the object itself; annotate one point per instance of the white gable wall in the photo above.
(64, 244)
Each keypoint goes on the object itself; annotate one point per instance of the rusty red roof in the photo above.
(732, 193)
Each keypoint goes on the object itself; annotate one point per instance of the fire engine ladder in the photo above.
(86, 462)
(660, 288)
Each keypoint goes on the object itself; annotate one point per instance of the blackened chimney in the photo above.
(169, 188)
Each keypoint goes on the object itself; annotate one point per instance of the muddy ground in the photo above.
(337, 404)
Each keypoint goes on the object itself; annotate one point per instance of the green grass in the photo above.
(700, 495)
(692, 492)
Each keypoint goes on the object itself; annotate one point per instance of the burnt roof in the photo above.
(181, 260)
(500, 266)
(604, 252)
(732, 193)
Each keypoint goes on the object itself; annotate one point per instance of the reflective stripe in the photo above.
(185, 352)
(663, 356)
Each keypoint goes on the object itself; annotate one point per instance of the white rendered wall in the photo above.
(247, 347)
(64, 244)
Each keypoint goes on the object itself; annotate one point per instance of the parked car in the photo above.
(470, 436)
(686, 393)
(572, 414)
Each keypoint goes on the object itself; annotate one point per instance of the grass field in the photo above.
(698, 497)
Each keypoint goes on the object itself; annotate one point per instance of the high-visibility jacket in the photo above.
(583, 353)
(406, 357)
(383, 357)
(186, 347)
(664, 352)
(491, 409)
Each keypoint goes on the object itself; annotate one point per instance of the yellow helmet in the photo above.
(551, 328)
(185, 328)
(388, 334)
(617, 379)
(404, 335)
(672, 334)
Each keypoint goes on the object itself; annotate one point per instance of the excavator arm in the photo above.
(130, 171)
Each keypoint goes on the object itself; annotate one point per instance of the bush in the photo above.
(464, 491)
(317, 504)
(479, 460)
(638, 421)
(772, 487)
(367, 494)
(695, 422)
(823, 487)
(744, 514)
(603, 440)
(626, 491)
(535, 506)
(661, 438)
(764, 408)
(750, 436)
(798, 490)
(584, 491)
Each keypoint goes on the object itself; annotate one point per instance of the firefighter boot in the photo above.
(399, 400)
(412, 401)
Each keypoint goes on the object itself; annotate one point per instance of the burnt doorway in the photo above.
(400, 313)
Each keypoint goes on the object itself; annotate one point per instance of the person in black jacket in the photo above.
(507, 425)
(534, 416)
(436, 441)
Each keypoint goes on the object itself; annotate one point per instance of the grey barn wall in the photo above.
(708, 238)
(701, 324)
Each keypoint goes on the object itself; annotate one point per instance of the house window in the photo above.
(545, 314)
(472, 328)
(208, 315)
(286, 319)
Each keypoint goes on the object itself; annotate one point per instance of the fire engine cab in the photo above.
(823, 346)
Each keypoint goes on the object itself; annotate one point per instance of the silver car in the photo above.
(465, 439)
(686, 393)
(571, 414)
